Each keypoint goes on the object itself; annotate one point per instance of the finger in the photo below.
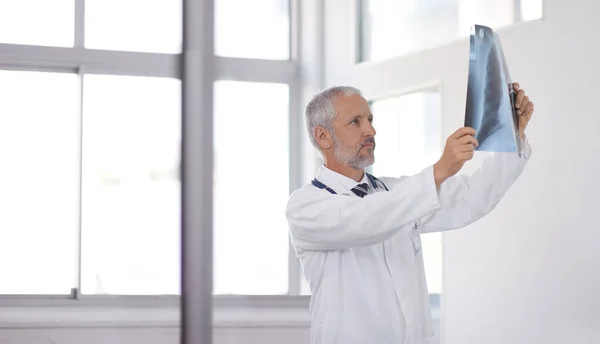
(530, 110)
(523, 105)
(519, 98)
(516, 86)
(467, 148)
(467, 155)
(462, 132)
(468, 139)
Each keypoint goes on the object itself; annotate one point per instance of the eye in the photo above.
(354, 121)
(371, 119)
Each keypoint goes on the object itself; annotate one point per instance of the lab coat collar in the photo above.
(338, 182)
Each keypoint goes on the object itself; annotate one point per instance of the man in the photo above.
(358, 237)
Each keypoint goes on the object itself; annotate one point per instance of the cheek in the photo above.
(349, 140)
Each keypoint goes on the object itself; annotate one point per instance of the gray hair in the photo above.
(320, 111)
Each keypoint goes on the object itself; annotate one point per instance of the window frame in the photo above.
(81, 61)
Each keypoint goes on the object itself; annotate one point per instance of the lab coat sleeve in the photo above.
(319, 220)
(466, 199)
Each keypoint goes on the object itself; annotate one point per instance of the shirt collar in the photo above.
(337, 181)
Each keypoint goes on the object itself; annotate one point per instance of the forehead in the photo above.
(349, 106)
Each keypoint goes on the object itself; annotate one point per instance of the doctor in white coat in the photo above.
(358, 236)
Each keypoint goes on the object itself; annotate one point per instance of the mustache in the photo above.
(370, 140)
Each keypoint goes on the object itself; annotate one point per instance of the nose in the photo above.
(370, 130)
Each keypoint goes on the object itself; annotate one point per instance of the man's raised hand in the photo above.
(460, 147)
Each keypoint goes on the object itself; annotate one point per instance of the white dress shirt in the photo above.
(362, 256)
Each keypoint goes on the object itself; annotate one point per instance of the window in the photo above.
(38, 22)
(92, 115)
(38, 135)
(251, 188)
(409, 138)
(257, 29)
(131, 187)
(390, 28)
(157, 27)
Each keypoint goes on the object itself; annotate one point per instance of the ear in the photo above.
(323, 137)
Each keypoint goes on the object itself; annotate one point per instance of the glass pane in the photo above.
(134, 25)
(409, 139)
(252, 29)
(392, 28)
(531, 9)
(38, 179)
(131, 190)
(38, 22)
(251, 188)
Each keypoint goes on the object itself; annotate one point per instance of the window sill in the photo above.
(150, 312)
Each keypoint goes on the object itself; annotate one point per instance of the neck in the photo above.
(345, 170)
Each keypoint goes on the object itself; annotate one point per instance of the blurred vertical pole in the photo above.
(197, 170)
(517, 11)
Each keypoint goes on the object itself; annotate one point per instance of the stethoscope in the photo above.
(372, 180)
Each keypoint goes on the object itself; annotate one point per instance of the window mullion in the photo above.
(295, 143)
(518, 16)
(75, 293)
(295, 174)
(79, 23)
(197, 171)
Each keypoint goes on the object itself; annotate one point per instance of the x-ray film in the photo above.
(490, 95)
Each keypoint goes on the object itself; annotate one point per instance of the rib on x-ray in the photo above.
(490, 95)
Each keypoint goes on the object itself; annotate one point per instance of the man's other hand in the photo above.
(460, 147)
(524, 107)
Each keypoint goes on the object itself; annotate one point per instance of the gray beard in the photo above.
(350, 158)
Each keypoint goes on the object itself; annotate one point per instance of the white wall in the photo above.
(529, 272)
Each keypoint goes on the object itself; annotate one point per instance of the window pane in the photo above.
(37, 22)
(251, 188)
(531, 9)
(409, 139)
(391, 28)
(131, 191)
(134, 25)
(252, 29)
(38, 179)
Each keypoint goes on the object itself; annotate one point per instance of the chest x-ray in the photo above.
(490, 95)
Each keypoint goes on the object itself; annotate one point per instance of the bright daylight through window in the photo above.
(257, 29)
(390, 28)
(91, 124)
(251, 238)
(157, 27)
(52, 23)
(131, 190)
(38, 226)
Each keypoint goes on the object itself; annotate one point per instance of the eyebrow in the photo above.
(354, 118)
(369, 115)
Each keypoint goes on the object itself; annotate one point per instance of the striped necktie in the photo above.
(361, 190)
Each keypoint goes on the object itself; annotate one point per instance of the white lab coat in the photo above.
(362, 256)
